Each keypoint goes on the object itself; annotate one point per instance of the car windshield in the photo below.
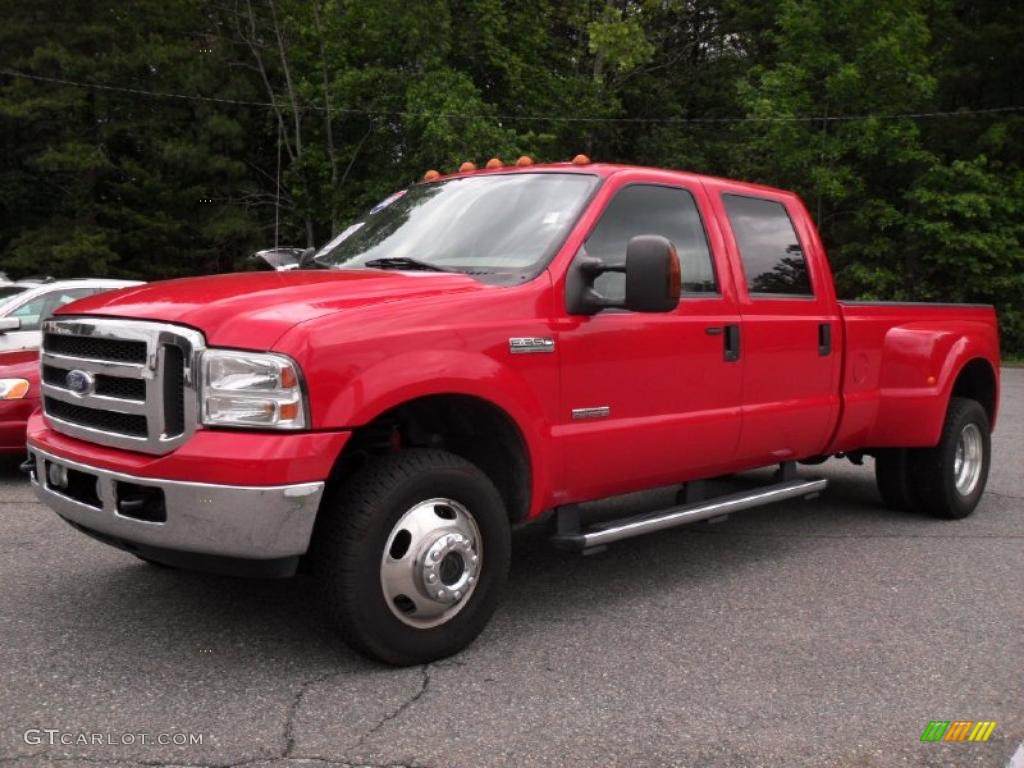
(501, 226)
(7, 292)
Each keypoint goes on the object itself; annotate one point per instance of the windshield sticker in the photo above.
(345, 234)
(387, 201)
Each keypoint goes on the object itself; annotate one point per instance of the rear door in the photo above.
(790, 330)
(650, 399)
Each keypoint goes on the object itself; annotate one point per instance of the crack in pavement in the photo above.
(425, 683)
(288, 753)
(101, 760)
(341, 763)
(293, 710)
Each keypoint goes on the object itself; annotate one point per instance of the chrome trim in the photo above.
(117, 404)
(617, 530)
(132, 442)
(968, 459)
(597, 412)
(254, 522)
(414, 582)
(157, 337)
(105, 367)
(526, 345)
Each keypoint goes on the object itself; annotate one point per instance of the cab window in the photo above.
(772, 257)
(648, 209)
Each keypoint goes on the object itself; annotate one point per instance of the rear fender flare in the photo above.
(920, 366)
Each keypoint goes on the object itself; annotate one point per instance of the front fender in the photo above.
(408, 376)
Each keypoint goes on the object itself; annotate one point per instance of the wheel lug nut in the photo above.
(440, 593)
(458, 595)
(431, 578)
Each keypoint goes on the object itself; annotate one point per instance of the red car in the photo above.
(19, 396)
(488, 349)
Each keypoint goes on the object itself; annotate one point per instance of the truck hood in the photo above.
(251, 310)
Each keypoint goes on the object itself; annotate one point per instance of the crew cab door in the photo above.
(649, 398)
(790, 331)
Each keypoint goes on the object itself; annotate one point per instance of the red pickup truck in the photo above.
(486, 349)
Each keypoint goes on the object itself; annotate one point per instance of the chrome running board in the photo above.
(570, 536)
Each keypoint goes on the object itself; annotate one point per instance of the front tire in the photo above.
(413, 552)
(951, 477)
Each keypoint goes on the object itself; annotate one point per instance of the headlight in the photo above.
(251, 389)
(13, 389)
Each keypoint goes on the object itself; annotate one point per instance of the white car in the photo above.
(25, 304)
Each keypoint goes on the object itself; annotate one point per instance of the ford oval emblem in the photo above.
(80, 382)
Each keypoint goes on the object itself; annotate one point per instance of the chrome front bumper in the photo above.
(231, 521)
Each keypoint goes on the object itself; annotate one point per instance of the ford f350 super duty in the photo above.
(485, 349)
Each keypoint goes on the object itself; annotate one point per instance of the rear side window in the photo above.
(772, 257)
(646, 209)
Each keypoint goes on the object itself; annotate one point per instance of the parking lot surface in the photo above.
(821, 633)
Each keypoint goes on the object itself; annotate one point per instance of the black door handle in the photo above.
(732, 343)
(825, 339)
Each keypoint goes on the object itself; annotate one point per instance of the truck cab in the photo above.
(487, 349)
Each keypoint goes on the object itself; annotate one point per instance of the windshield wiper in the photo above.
(404, 262)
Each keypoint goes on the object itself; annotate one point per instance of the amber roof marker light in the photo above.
(581, 160)
(431, 175)
(467, 166)
(524, 161)
(495, 162)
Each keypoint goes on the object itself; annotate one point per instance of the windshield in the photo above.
(504, 225)
(6, 292)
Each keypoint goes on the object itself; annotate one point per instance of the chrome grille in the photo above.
(97, 348)
(137, 381)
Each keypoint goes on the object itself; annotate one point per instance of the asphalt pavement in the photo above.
(821, 633)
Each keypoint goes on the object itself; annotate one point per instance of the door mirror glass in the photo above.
(10, 324)
(653, 274)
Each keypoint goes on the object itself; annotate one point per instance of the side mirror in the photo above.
(9, 324)
(653, 279)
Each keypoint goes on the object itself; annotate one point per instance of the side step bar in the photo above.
(570, 536)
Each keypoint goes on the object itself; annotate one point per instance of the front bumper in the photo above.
(260, 523)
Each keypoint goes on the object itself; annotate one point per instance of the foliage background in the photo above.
(367, 95)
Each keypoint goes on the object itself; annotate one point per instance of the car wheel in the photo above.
(895, 479)
(951, 477)
(413, 552)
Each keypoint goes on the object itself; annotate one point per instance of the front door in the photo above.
(650, 398)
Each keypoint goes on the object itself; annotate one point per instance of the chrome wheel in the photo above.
(431, 563)
(970, 456)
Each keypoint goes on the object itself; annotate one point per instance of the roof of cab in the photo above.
(606, 170)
